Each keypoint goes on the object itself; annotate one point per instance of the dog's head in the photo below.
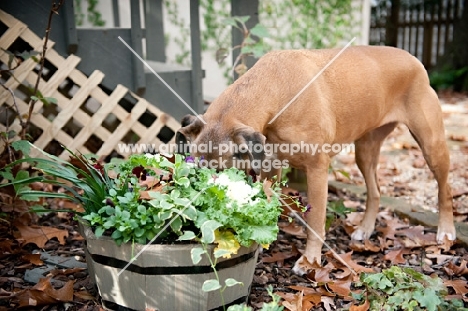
(222, 145)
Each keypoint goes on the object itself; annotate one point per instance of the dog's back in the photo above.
(364, 80)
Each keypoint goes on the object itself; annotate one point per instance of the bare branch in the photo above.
(54, 10)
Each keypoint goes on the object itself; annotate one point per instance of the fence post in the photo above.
(139, 79)
(391, 36)
(197, 73)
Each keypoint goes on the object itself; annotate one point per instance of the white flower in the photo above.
(238, 191)
(156, 156)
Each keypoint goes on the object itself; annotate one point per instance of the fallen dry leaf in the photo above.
(84, 295)
(366, 246)
(292, 302)
(355, 266)
(277, 257)
(344, 274)
(65, 271)
(391, 229)
(459, 192)
(364, 307)
(39, 235)
(34, 259)
(306, 290)
(294, 229)
(452, 269)
(43, 294)
(328, 303)
(396, 256)
(455, 137)
(319, 275)
(354, 218)
(341, 288)
(460, 286)
(440, 258)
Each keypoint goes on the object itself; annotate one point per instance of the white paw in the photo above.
(360, 234)
(443, 235)
(298, 270)
(303, 265)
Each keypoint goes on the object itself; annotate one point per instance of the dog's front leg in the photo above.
(317, 194)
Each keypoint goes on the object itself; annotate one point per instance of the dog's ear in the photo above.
(256, 142)
(191, 127)
(187, 120)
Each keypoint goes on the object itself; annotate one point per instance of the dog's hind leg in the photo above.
(367, 159)
(426, 126)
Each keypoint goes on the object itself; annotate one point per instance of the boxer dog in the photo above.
(359, 98)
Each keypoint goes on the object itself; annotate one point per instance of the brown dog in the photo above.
(359, 98)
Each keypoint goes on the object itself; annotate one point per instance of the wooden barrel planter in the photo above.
(163, 277)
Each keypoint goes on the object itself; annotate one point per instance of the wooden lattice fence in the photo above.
(87, 117)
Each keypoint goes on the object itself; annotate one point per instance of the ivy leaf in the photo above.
(258, 50)
(176, 224)
(211, 285)
(22, 145)
(183, 181)
(247, 49)
(51, 100)
(99, 231)
(231, 282)
(196, 253)
(260, 31)
(208, 231)
(29, 54)
(230, 22)
(188, 235)
(427, 299)
(241, 19)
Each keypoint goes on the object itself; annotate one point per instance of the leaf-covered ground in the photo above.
(403, 173)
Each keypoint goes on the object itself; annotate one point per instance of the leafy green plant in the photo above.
(404, 289)
(52, 170)
(446, 78)
(252, 43)
(336, 210)
(149, 196)
(92, 13)
(137, 199)
(182, 55)
(307, 23)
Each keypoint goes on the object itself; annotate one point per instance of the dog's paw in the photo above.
(360, 234)
(444, 235)
(303, 265)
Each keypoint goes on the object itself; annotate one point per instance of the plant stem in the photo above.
(54, 10)
(213, 266)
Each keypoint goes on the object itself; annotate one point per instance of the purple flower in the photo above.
(190, 159)
(307, 208)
